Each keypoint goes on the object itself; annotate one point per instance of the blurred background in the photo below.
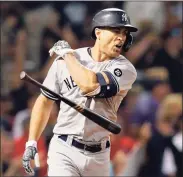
(150, 143)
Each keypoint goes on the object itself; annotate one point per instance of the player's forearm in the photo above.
(39, 117)
(85, 79)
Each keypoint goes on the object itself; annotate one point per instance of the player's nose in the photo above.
(121, 36)
(121, 39)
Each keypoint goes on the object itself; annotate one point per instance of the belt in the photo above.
(91, 148)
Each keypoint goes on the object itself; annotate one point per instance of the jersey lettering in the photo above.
(70, 83)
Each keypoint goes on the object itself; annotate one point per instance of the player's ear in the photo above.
(97, 33)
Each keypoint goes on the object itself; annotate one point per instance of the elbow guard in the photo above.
(107, 90)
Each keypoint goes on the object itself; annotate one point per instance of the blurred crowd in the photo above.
(150, 143)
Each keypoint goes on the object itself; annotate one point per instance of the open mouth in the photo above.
(118, 46)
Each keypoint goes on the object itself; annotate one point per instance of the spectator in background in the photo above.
(20, 117)
(6, 113)
(124, 147)
(19, 96)
(156, 89)
(135, 157)
(167, 115)
(147, 12)
(57, 29)
(15, 165)
(36, 15)
(13, 45)
(124, 114)
(170, 56)
(119, 162)
(127, 107)
(173, 18)
(129, 157)
(147, 42)
(172, 159)
(175, 8)
(7, 147)
(76, 21)
(23, 91)
(176, 148)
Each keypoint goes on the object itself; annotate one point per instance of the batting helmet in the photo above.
(114, 17)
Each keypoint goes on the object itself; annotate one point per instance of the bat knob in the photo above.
(22, 75)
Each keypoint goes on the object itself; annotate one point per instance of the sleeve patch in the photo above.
(118, 72)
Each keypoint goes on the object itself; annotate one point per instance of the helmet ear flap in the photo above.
(128, 42)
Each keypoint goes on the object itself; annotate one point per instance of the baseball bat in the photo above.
(102, 121)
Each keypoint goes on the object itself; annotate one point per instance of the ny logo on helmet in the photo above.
(124, 17)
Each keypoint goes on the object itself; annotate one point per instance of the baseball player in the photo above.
(97, 77)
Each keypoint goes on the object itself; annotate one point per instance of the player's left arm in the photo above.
(102, 84)
(107, 83)
(116, 78)
(85, 79)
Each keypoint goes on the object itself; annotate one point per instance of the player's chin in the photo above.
(116, 53)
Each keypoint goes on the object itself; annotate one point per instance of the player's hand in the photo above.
(30, 153)
(61, 48)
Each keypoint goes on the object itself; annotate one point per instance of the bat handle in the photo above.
(23, 75)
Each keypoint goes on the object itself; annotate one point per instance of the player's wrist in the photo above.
(31, 143)
(61, 52)
(61, 48)
(68, 55)
(67, 52)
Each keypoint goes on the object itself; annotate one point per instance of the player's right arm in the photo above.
(43, 105)
(39, 117)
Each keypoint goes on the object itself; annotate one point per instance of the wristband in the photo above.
(31, 143)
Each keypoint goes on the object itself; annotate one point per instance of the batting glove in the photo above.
(30, 153)
(61, 48)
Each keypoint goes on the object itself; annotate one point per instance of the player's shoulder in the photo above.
(82, 49)
(81, 52)
(58, 63)
(126, 66)
(58, 59)
(122, 60)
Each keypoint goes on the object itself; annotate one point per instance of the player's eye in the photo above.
(126, 32)
(115, 30)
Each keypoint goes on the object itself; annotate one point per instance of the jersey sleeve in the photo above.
(124, 75)
(51, 82)
(121, 77)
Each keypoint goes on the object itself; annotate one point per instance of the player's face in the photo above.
(112, 41)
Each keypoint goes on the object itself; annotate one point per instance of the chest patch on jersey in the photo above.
(118, 72)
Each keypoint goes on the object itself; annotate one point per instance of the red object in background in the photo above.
(127, 143)
(19, 147)
(115, 145)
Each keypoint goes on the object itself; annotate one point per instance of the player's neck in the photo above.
(97, 55)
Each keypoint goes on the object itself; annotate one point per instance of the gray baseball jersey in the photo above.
(70, 121)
